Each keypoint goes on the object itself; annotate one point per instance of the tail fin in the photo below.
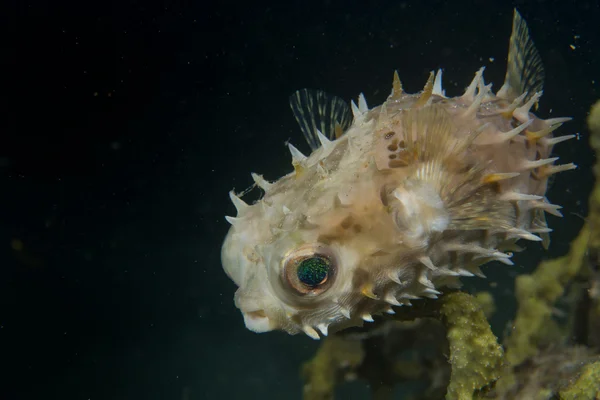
(525, 72)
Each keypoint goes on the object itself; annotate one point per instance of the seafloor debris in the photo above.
(447, 344)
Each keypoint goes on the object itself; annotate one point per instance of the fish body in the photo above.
(397, 202)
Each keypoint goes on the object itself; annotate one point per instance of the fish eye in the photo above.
(313, 271)
(309, 271)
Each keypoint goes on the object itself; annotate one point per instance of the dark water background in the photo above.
(134, 119)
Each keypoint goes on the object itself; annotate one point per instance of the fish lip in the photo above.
(258, 321)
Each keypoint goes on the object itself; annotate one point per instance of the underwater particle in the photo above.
(116, 145)
(24, 256)
(17, 245)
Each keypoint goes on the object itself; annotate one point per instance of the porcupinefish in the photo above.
(396, 202)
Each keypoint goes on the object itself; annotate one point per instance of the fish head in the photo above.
(327, 246)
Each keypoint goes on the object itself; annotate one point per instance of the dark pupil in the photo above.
(313, 271)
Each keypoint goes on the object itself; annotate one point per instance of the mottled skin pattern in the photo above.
(418, 192)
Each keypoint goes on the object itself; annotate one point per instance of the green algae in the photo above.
(475, 355)
(587, 385)
(325, 369)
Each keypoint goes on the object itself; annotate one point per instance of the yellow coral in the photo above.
(488, 305)
(475, 355)
(321, 373)
(594, 120)
(587, 386)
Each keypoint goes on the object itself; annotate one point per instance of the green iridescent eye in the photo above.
(313, 271)
(310, 269)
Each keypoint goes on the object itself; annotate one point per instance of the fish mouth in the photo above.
(257, 321)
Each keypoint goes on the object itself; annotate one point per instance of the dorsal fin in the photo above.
(316, 110)
(524, 71)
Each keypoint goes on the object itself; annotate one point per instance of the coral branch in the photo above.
(327, 368)
(587, 386)
(475, 355)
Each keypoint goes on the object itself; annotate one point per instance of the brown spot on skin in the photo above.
(347, 222)
(485, 234)
(297, 318)
(338, 131)
(455, 165)
(402, 144)
(326, 239)
(360, 277)
(467, 258)
(383, 196)
(517, 210)
(256, 314)
(467, 167)
(392, 156)
(357, 228)
(380, 253)
(495, 187)
(397, 163)
(392, 147)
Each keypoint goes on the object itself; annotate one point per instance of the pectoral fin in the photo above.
(316, 110)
